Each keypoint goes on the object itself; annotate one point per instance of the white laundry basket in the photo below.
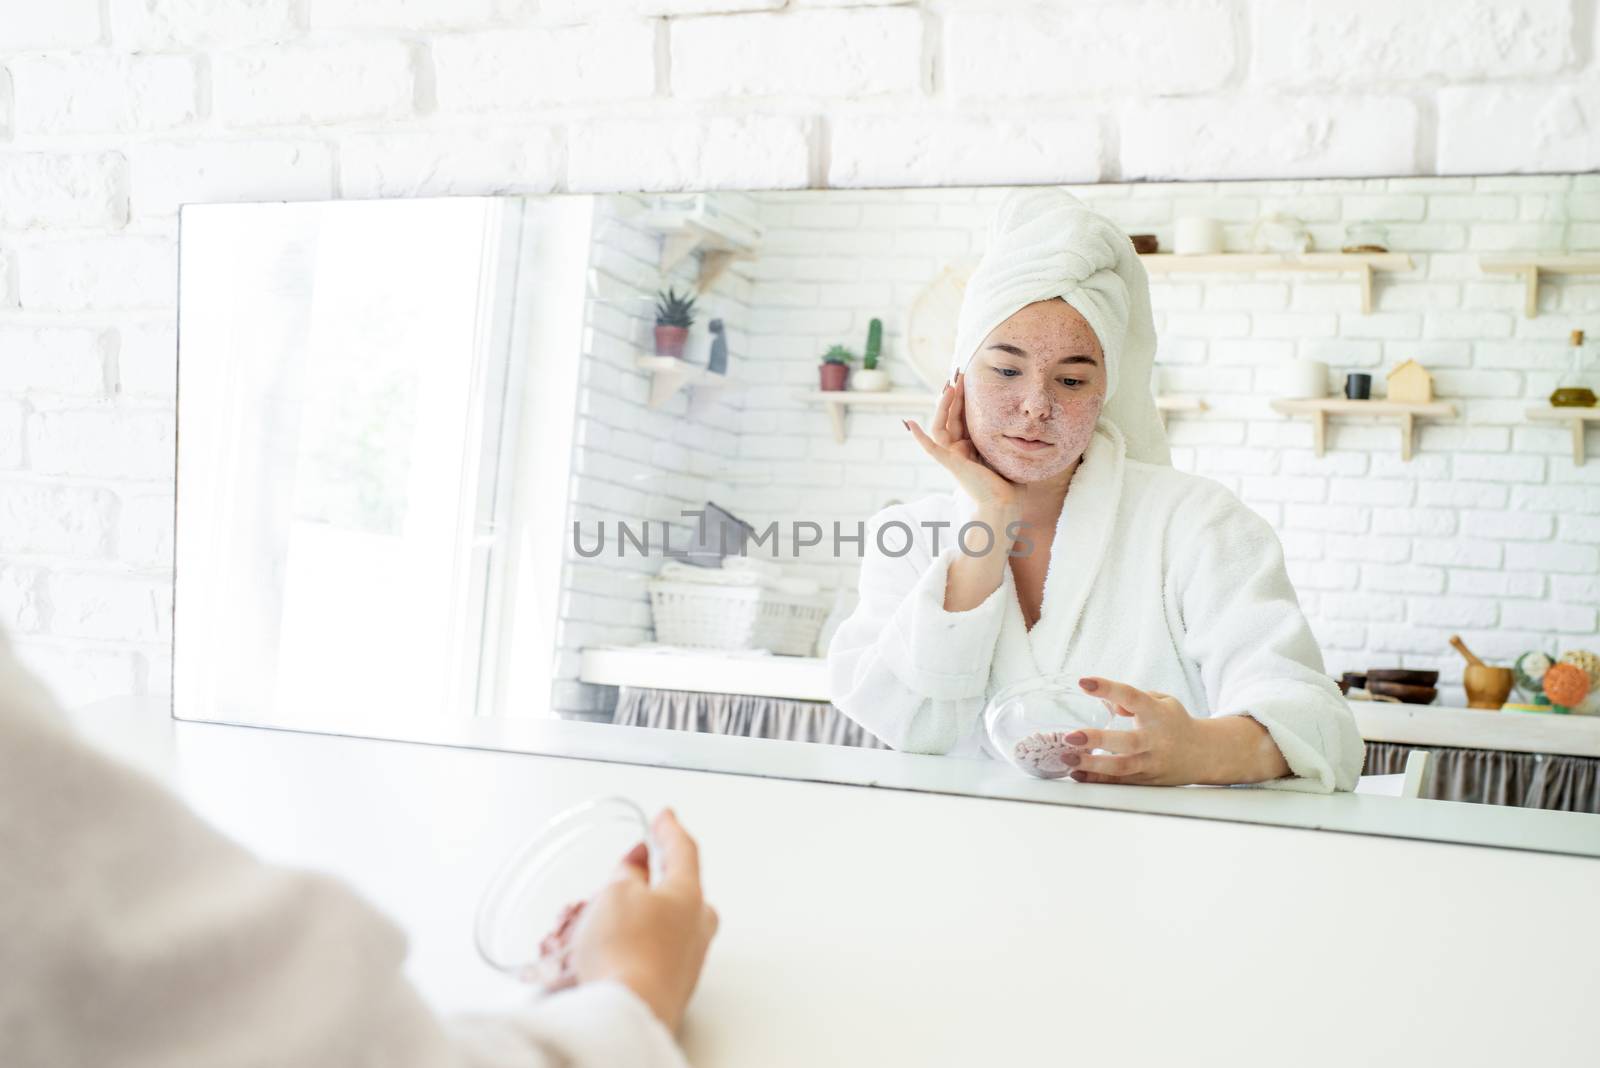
(709, 616)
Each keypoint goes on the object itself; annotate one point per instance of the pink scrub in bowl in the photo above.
(1027, 723)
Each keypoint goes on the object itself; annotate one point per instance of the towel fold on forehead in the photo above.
(1043, 243)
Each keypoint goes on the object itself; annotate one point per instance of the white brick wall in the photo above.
(114, 112)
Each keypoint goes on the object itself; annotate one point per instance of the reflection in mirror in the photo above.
(627, 459)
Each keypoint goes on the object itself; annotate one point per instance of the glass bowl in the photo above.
(529, 909)
(1026, 723)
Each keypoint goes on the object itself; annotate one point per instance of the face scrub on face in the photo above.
(1034, 391)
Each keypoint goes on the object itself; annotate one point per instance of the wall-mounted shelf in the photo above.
(696, 226)
(1530, 267)
(1172, 403)
(838, 402)
(1579, 418)
(1364, 264)
(1407, 413)
(668, 374)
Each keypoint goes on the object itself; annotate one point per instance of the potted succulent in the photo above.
(674, 316)
(870, 379)
(835, 366)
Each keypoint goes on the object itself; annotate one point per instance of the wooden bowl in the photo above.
(1405, 676)
(1411, 695)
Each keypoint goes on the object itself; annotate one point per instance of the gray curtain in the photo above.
(741, 714)
(1492, 777)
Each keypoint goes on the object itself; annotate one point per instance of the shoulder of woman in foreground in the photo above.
(1163, 487)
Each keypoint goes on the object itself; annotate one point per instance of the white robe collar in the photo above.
(1077, 556)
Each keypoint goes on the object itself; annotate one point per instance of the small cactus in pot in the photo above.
(835, 367)
(870, 379)
(674, 316)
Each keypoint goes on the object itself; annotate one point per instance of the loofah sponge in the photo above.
(1566, 684)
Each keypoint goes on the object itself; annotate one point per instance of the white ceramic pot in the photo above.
(1197, 236)
(874, 381)
(1305, 379)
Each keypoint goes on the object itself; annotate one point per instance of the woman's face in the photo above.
(1034, 390)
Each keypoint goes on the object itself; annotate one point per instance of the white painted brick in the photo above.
(1553, 556)
(67, 360)
(8, 274)
(1544, 616)
(53, 25)
(22, 599)
(1344, 519)
(13, 428)
(1458, 552)
(103, 443)
(1485, 130)
(1574, 589)
(1449, 611)
(144, 531)
(526, 69)
(314, 83)
(850, 54)
(78, 94)
(79, 676)
(64, 190)
(1520, 469)
(1311, 137)
(1355, 43)
(1371, 548)
(99, 273)
(1072, 50)
(408, 15)
(161, 25)
(167, 176)
(457, 162)
(1461, 495)
(1478, 583)
(1580, 528)
(1386, 493)
(558, 12)
(93, 605)
(147, 360)
(906, 149)
(743, 152)
(1402, 578)
(48, 520)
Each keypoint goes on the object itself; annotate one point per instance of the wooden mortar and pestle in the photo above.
(1487, 687)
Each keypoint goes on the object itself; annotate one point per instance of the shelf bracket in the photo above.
(1408, 428)
(1366, 289)
(836, 416)
(1530, 291)
(1319, 431)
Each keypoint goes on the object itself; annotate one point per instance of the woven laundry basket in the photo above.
(709, 616)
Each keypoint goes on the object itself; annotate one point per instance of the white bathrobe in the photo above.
(135, 935)
(1157, 578)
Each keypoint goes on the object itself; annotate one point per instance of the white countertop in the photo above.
(890, 927)
(803, 678)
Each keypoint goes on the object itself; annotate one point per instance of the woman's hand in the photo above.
(1167, 746)
(950, 445)
(653, 939)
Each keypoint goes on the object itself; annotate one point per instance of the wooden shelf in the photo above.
(696, 227)
(668, 374)
(1530, 267)
(840, 401)
(1407, 413)
(1579, 418)
(1364, 264)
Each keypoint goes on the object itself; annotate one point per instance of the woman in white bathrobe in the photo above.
(1159, 590)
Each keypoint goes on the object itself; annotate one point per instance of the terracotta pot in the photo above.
(670, 339)
(833, 375)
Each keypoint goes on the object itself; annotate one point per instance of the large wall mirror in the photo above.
(565, 474)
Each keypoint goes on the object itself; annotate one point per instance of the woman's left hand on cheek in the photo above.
(1161, 749)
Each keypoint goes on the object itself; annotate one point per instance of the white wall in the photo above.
(113, 112)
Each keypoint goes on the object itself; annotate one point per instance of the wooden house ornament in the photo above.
(1411, 383)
